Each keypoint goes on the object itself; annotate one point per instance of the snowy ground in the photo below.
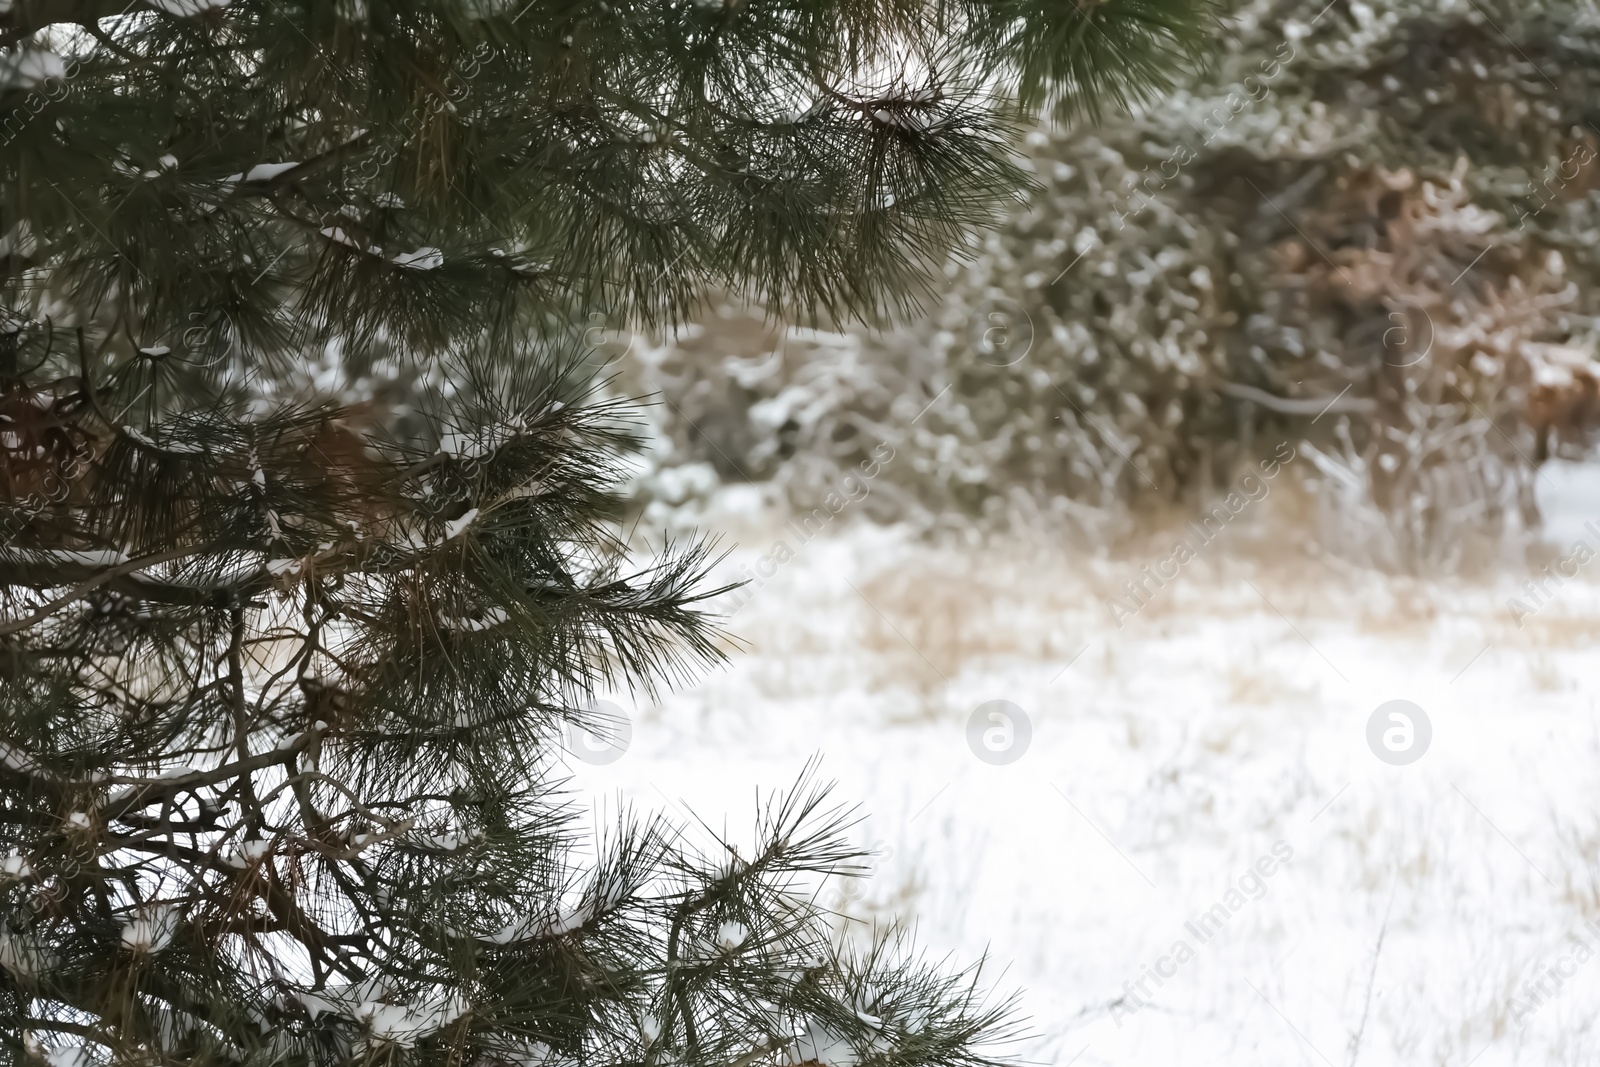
(1431, 913)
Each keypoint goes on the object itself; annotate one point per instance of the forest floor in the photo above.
(1209, 756)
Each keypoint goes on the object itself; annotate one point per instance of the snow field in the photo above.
(1446, 911)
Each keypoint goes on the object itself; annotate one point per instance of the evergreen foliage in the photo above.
(282, 679)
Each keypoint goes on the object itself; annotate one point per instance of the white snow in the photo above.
(24, 956)
(447, 842)
(188, 8)
(454, 527)
(151, 931)
(338, 236)
(264, 172)
(566, 921)
(818, 1043)
(388, 1019)
(1170, 763)
(247, 853)
(525, 1052)
(422, 259)
(16, 759)
(730, 935)
(182, 448)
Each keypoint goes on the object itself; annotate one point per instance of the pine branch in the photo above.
(100, 577)
(312, 541)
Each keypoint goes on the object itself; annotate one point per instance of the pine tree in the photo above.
(308, 504)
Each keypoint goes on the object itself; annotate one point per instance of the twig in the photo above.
(1355, 1042)
(79, 592)
(148, 791)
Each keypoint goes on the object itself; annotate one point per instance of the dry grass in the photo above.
(1545, 675)
(1255, 687)
(928, 618)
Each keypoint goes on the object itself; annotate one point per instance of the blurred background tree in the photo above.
(1367, 228)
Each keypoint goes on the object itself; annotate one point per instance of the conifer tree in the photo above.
(285, 657)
